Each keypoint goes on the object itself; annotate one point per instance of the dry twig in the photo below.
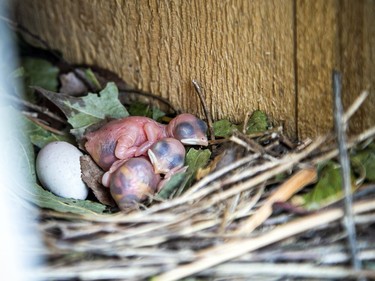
(207, 112)
(283, 193)
(340, 128)
(230, 250)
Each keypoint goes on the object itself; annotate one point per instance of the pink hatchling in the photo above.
(133, 182)
(167, 157)
(132, 136)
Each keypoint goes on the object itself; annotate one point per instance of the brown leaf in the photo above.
(92, 175)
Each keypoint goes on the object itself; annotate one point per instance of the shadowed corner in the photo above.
(19, 237)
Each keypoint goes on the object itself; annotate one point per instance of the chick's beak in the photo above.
(154, 162)
(202, 141)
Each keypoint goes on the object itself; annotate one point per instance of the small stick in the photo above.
(37, 108)
(365, 135)
(256, 147)
(283, 193)
(340, 127)
(247, 118)
(285, 140)
(354, 107)
(233, 249)
(215, 175)
(45, 126)
(149, 95)
(241, 143)
(303, 144)
(207, 112)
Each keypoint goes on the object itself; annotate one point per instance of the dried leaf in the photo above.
(92, 175)
(72, 85)
(83, 112)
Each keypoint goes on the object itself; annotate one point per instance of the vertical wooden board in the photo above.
(241, 51)
(369, 63)
(316, 33)
(357, 57)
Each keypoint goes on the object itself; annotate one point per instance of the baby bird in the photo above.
(167, 156)
(188, 129)
(133, 182)
(132, 136)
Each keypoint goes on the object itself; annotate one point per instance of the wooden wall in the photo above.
(273, 55)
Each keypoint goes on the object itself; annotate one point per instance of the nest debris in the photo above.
(204, 232)
(232, 224)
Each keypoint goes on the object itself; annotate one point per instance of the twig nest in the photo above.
(59, 170)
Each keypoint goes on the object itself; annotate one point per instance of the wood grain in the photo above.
(316, 54)
(357, 57)
(241, 52)
(273, 55)
(334, 35)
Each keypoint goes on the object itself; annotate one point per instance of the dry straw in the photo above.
(221, 228)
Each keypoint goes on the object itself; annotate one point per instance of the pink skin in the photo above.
(188, 129)
(167, 157)
(133, 182)
(123, 139)
(132, 136)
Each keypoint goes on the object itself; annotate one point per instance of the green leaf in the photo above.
(141, 109)
(90, 75)
(157, 114)
(258, 122)
(40, 136)
(327, 190)
(46, 199)
(197, 158)
(174, 182)
(223, 128)
(39, 72)
(367, 159)
(83, 112)
(20, 145)
(27, 188)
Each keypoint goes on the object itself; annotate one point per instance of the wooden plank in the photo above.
(241, 51)
(357, 57)
(340, 35)
(316, 56)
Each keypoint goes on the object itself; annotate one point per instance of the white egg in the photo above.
(59, 170)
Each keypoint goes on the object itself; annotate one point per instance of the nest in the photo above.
(232, 224)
